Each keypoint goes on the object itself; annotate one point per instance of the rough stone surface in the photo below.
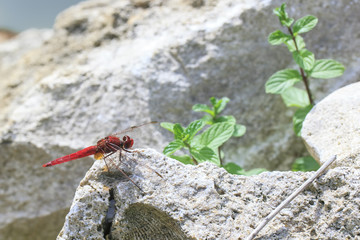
(205, 202)
(110, 64)
(333, 127)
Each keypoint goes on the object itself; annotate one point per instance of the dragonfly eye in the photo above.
(128, 142)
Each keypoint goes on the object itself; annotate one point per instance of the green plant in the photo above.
(206, 145)
(283, 82)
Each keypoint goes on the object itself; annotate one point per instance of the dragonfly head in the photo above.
(128, 142)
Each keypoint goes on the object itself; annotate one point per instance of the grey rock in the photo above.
(333, 127)
(110, 64)
(205, 202)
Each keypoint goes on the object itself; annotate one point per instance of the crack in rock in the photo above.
(109, 215)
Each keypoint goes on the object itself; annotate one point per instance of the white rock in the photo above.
(110, 64)
(205, 202)
(333, 127)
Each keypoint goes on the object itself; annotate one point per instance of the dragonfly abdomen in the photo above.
(79, 154)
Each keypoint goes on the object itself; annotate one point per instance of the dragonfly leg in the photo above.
(118, 168)
(108, 169)
(142, 164)
(126, 175)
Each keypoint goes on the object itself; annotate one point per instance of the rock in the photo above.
(206, 202)
(6, 34)
(333, 127)
(109, 64)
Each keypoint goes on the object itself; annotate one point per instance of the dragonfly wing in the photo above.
(133, 128)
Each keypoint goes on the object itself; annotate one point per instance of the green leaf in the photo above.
(239, 130)
(282, 80)
(287, 22)
(233, 168)
(168, 126)
(228, 119)
(221, 104)
(205, 154)
(299, 118)
(207, 119)
(213, 101)
(185, 159)
(254, 171)
(295, 97)
(305, 164)
(203, 108)
(304, 58)
(283, 16)
(299, 42)
(327, 68)
(178, 131)
(173, 147)
(278, 37)
(280, 11)
(216, 135)
(193, 128)
(236, 169)
(304, 24)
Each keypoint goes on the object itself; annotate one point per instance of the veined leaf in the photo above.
(168, 126)
(299, 42)
(203, 108)
(205, 154)
(239, 130)
(327, 68)
(229, 119)
(216, 135)
(282, 80)
(221, 104)
(299, 118)
(295, 97)
(193, 128)
(304, 58)
(207, 119)
(305, 164)
(283, 16)
(178, 131)
(185, 159)
(280, 11)
(213, 101)
(304, 24)
(287, 22)
(173, 147)
(278, 37)
(233, 168)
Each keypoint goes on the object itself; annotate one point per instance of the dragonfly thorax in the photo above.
(111, 144)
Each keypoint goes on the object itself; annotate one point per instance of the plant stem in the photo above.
(219, 152)
(306, 82)
(304, 77)
(192, 158)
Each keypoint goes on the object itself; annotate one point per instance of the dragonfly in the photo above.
(105, 149)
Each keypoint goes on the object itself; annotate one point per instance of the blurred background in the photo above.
(19, 15)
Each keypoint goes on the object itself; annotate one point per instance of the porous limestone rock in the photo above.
(109, 64)
(206, 202)
(333, 127)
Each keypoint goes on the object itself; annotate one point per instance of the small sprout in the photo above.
(205, 144)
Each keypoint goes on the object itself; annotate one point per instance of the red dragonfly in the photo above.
(105, 148)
